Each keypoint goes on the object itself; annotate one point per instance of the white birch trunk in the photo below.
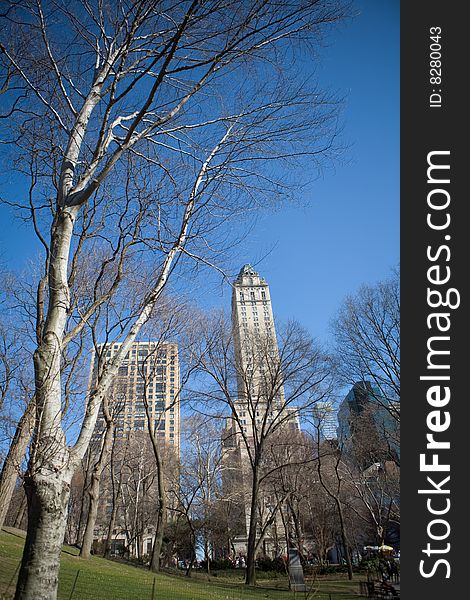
(47, 482)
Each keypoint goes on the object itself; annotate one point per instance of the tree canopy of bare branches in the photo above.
(264, 397)
(138, 129)
(367, 337)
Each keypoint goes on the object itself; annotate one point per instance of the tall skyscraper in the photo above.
(260, 397)
(255, 344)
(149, 371)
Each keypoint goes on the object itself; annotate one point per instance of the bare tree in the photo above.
(265, 395)
(94, 485)
(378, 492)
(330, 471)
(294, 456)
(201, 470)
(17, 404)
(176, 104)
(367, 336)
(116, 481)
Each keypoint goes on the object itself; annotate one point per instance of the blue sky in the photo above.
(348, 234)
(346, 231)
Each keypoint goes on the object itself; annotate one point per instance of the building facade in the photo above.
(149, 373)
(366, 426)
(256, 406)
(325, 421)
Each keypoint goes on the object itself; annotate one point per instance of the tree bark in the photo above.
(109, 537)
(15, 457)
(50, 470)
(161, 515)
(115, 496)
(94, 490)
(344, 538)
(47, 508)
(21, 512)
(250, 575)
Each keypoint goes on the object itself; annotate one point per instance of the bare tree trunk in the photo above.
(109, 537)
(344, 538)
(115, 496)
(94, 490)
(21, 512)
(15, 457)
(50, 470)
(162, 512)
(193, 543)
(298, 531)
(47, 509)
(207, 556)
(250, 575)
(82, 502)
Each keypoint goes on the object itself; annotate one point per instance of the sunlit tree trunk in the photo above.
(49, 475)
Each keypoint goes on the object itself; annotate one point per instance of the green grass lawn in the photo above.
(100, 579)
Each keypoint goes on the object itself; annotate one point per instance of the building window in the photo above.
(263, 295)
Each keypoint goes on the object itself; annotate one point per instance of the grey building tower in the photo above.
(256, 351)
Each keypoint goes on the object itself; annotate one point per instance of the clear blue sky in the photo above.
(347, 231)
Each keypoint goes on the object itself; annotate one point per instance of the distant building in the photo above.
(254, 332)
(149, 374)
(324, 420)
(256, 350)
(150, 371)
(366, 426)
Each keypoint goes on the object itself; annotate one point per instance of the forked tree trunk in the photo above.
(15, 457)
(94, 490)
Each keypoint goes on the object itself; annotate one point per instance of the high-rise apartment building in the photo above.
(149, 374)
